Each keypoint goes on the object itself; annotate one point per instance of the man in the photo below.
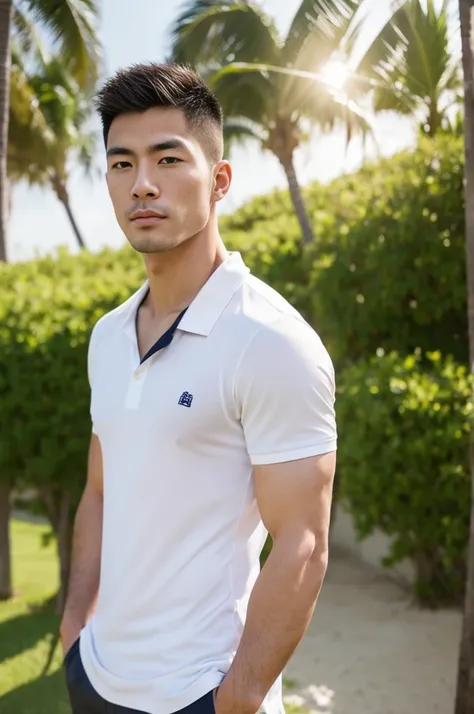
(212, 404)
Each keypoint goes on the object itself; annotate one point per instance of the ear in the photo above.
(222, 180)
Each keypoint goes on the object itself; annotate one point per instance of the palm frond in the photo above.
(24, 105)
(85, 153)
(390, 94)
(316, 32)
(426, 51)
(245, 91)
(72, 25)
(25, 37)
(328, 108)
(412, 61)
(28, 132)
(239, 130)
(215, 33)
(452, 80)
(370, 45)
(48, 114)
(316, 100)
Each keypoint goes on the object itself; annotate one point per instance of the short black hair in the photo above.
(146, 86)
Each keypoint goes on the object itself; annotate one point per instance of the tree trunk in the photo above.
(297, 199)
(63, 195)
(5, 564)
(465, 683)
(58, 508)
(434, 119)
(5, 63)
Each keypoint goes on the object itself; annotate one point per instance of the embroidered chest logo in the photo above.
(185, 399)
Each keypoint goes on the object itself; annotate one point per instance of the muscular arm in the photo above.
(86, 551)
(294, 500)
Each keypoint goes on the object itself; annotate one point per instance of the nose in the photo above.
(143, 186)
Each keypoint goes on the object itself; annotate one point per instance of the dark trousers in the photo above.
(85, 700)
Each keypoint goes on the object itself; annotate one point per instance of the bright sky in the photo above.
(38, 223)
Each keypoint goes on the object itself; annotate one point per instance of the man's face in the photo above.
(160, 181)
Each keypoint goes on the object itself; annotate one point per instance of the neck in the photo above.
(176, 276)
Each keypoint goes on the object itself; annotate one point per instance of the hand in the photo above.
(223, 704)
(214, 698)
(68, 645)
(69, 634)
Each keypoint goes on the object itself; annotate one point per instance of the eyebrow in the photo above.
(155, 148)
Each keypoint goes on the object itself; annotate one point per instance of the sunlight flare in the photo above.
(335, 73)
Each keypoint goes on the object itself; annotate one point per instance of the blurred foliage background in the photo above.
(375, 260)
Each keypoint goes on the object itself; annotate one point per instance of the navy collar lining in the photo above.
(165, 338)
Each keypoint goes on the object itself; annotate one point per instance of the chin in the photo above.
(151, 244)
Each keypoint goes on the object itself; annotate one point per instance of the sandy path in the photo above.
(370, 651)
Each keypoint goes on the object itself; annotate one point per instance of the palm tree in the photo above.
(465, 684)
(6, 8)
(5, 17)
(266, 83)
(70, 26)
(416, 71)
(46, 132)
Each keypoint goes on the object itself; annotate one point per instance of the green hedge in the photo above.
(404, 462)
(388, 266)
(47, 310)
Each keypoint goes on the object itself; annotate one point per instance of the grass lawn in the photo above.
(26, 629)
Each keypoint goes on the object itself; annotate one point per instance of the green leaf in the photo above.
(412, 62)
(316, 32)
(73, 27)
(214, 33)
(238, 131)
(307, 95)
(47, 117)
(245, 90)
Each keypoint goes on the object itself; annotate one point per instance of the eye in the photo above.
(121, 165)
(169, 160)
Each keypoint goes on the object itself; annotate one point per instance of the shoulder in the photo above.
(283, 355)
(100, 334)
(284, 387)
(263, 304)
(107, 327)
(258, 310)
(287, 351)
(281, 334)
(109, 321)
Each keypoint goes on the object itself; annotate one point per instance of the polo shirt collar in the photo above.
(209, 303)
(214, 296)
(131, 309)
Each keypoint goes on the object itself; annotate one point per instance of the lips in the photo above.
(147, 218)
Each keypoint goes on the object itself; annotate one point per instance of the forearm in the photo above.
(85, 565)
(280, 609)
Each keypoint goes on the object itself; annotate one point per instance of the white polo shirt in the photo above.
(244, 381)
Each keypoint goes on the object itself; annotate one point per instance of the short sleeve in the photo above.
(285, 394)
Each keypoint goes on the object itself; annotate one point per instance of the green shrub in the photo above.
(403, 458)
(47, 310)
(388, 266)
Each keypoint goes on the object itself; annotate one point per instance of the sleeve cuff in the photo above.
(306, 452)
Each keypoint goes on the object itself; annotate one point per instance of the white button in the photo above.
(137, 375)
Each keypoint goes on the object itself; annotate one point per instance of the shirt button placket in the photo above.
(136, 388)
